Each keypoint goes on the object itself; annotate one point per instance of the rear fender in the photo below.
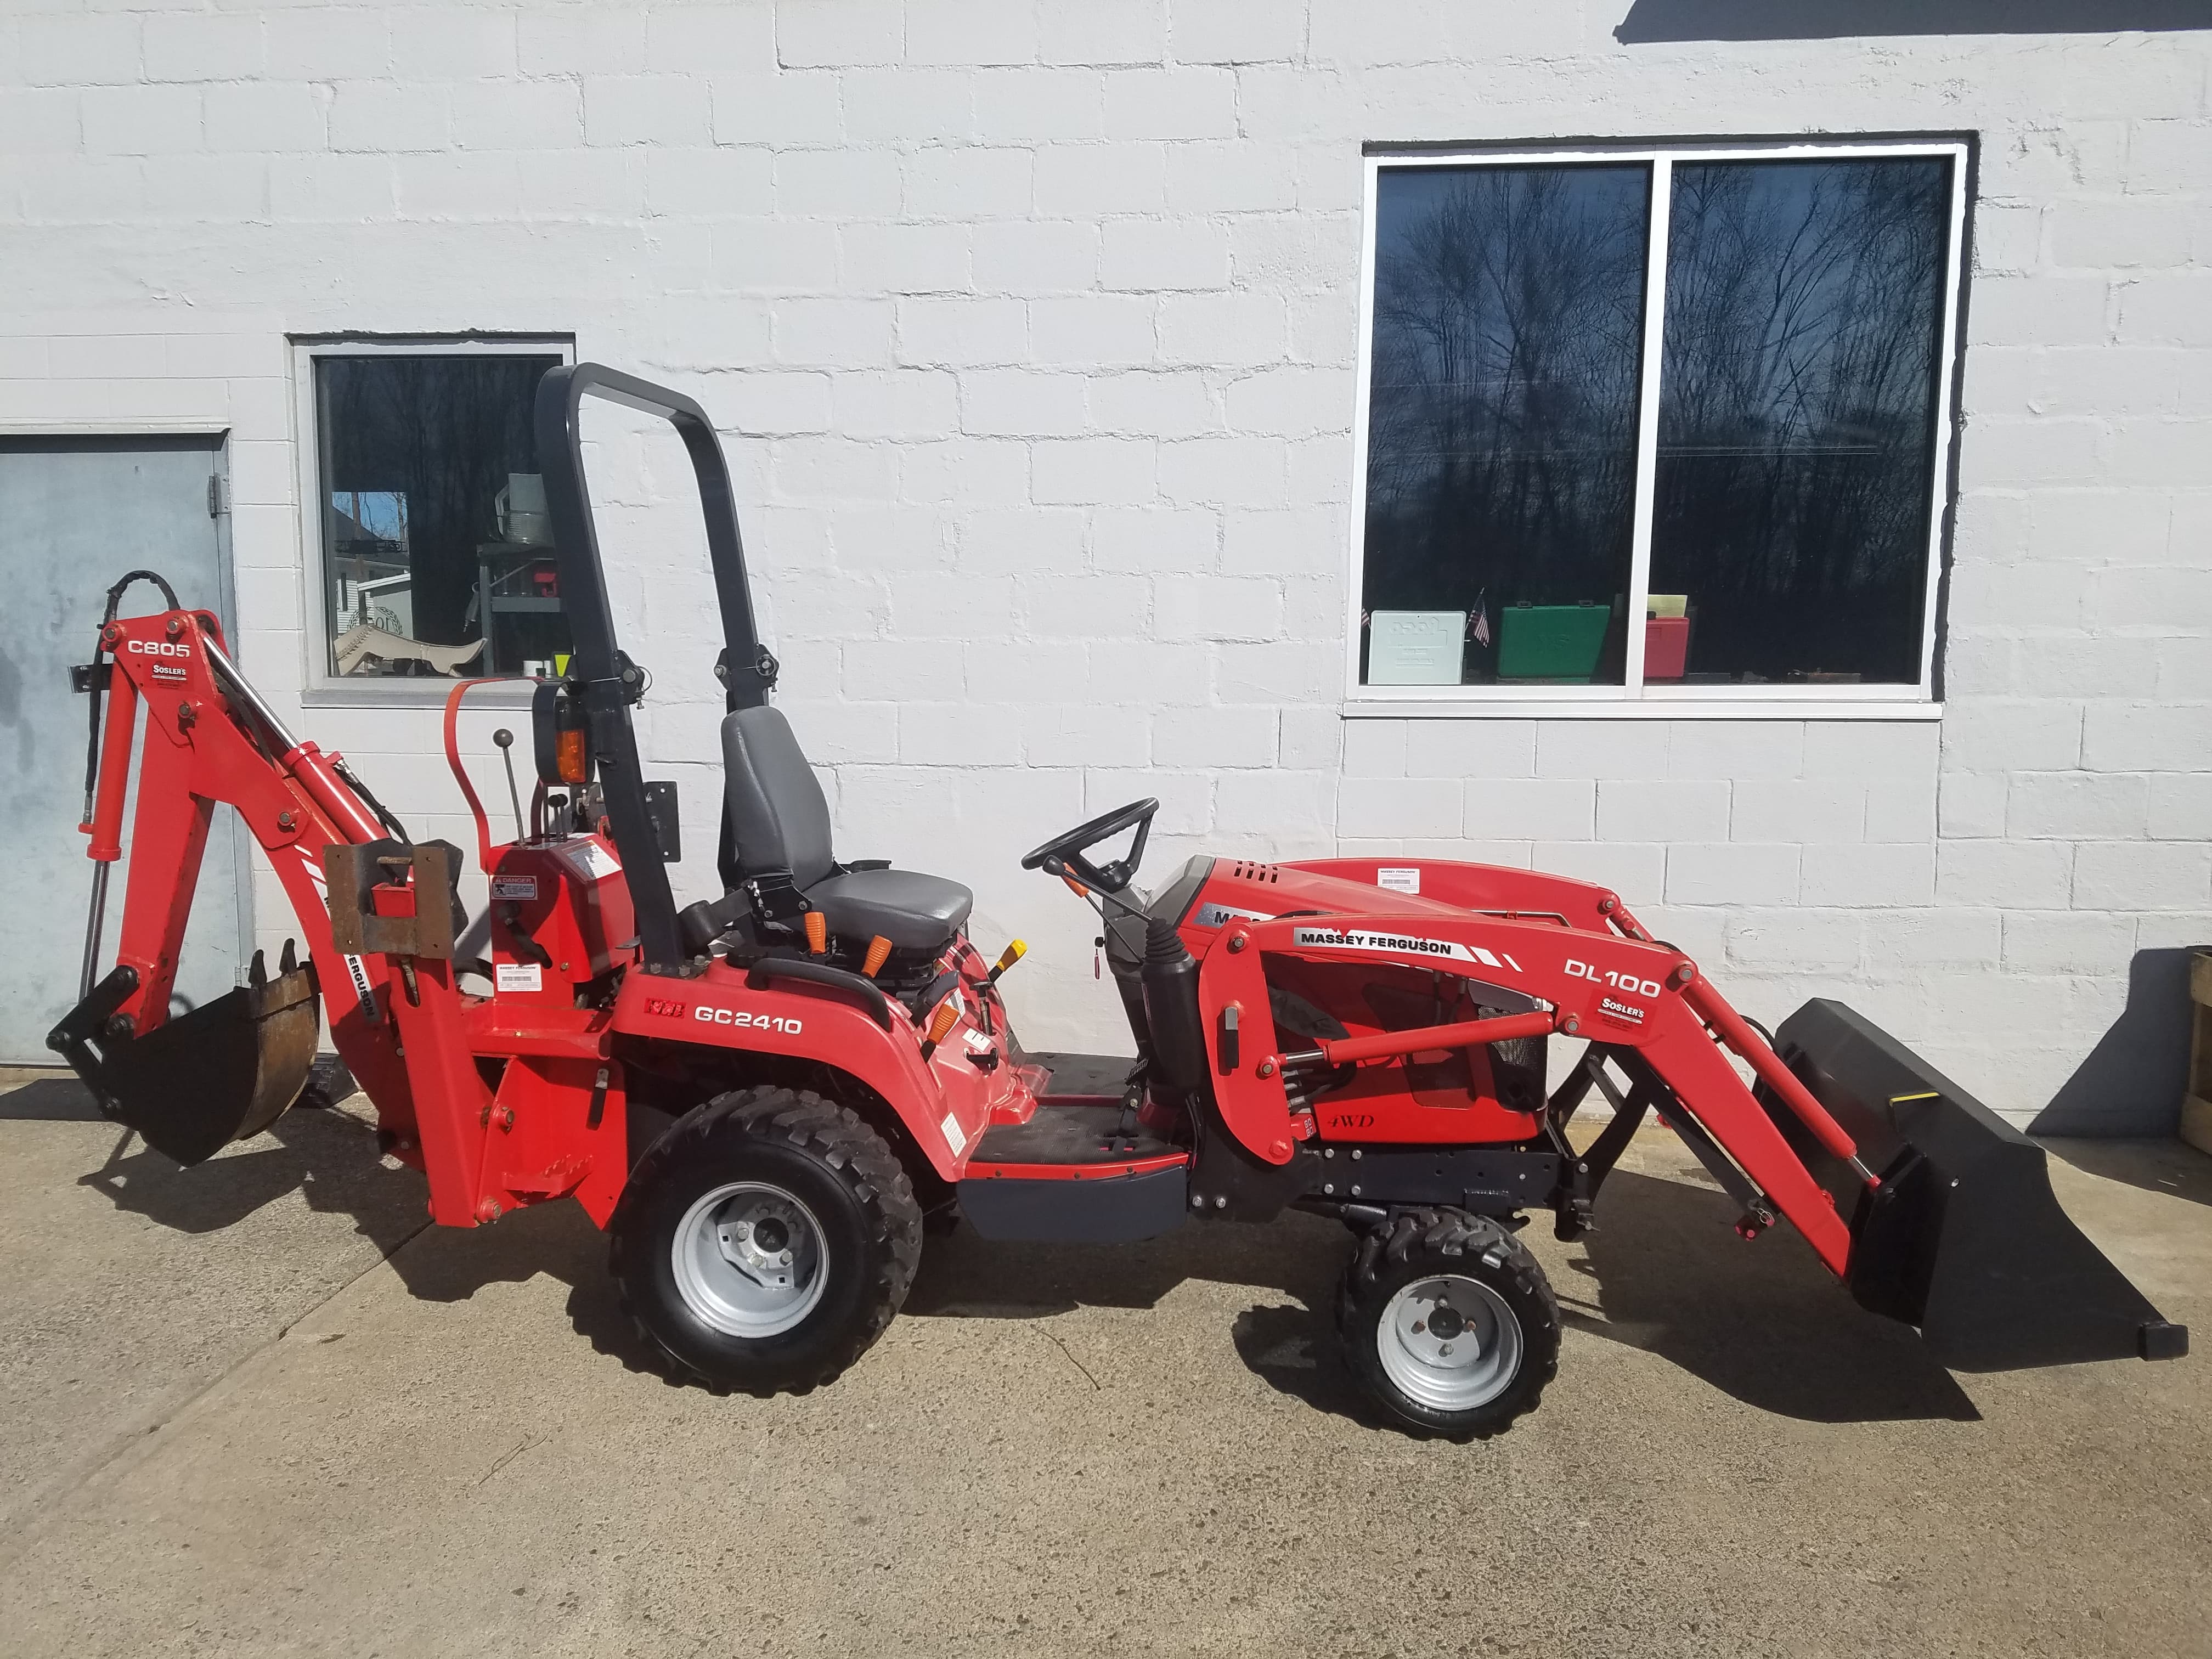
(943, 1103)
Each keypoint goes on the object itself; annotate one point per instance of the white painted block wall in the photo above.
(1031, 325)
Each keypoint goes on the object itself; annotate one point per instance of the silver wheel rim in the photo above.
(750, 1259)
(1471, 1360)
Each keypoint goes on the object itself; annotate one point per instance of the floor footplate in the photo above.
(1080, 1136)
(1083, 1076)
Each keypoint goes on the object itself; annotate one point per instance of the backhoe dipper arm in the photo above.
(209, 738)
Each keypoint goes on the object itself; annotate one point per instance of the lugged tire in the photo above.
(819, 1151)
(1417, 1244)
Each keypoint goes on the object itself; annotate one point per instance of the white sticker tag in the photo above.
(518, 976)
(590, 859)
(1398, 881)
(357, 971)
(954, 1137)
(514, 887)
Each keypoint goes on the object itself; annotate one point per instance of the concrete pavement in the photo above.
(236, 1428)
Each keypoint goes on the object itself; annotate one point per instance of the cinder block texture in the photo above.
(1035, 328)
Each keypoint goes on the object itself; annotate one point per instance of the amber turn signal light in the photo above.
(570, 755)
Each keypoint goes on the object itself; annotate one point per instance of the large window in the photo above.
(437, 554)
(1655, 428)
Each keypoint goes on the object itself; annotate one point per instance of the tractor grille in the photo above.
(1247, 871)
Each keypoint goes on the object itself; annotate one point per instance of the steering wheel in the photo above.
(1063, 854)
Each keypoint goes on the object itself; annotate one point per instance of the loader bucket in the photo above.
(1964, 1237)
(224, 1071)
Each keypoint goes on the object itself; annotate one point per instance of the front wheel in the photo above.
(1447, 1323)
(766, 1241)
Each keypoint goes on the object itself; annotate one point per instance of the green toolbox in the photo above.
(1559, 643)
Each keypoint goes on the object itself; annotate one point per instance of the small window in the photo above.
(436, 549)
(1656, 425)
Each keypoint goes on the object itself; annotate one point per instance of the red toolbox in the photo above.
(1665, 646)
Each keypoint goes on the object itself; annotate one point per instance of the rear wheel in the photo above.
(1447, 1323)
(766, 1241)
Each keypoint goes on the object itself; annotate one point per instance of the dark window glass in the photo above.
(1502, 421)
(1797, 415)
(437, 556)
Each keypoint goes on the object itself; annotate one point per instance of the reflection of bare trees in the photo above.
(1502, 424)
(1796, 404)
(1797, 398)
(445, 431)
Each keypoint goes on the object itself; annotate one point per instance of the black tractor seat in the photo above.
(779, 821)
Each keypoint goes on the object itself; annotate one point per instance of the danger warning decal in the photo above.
(1355, 938)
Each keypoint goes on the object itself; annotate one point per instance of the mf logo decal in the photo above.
(663, 1007)
(1352, 938)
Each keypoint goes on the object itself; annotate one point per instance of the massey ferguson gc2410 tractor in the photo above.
(767, 1098)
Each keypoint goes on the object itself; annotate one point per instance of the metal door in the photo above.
(75, 514)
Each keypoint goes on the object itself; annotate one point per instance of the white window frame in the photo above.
(1634, 699)
(321, 687)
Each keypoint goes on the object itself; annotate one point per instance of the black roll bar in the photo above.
(599, 675)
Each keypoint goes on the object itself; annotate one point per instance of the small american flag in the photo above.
(1478, 628)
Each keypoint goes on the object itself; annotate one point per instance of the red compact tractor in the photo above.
(767, 1098)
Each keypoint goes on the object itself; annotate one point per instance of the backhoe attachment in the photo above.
(223, 1071)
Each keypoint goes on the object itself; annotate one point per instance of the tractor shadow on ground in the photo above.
(966, 1276)
(331, 1157)
(1291, 1345)
(1765, 1321)
(49, 1100)
(328, 1156)
(2172, 1167)
(1664, 1273)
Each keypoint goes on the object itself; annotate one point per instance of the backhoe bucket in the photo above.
(224, 1071)
(1963, 1238)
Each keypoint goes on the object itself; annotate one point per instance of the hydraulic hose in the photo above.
(100, 656)
(96, 911)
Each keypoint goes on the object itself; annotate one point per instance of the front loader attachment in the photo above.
(224, 1071)
(1963, 1237)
